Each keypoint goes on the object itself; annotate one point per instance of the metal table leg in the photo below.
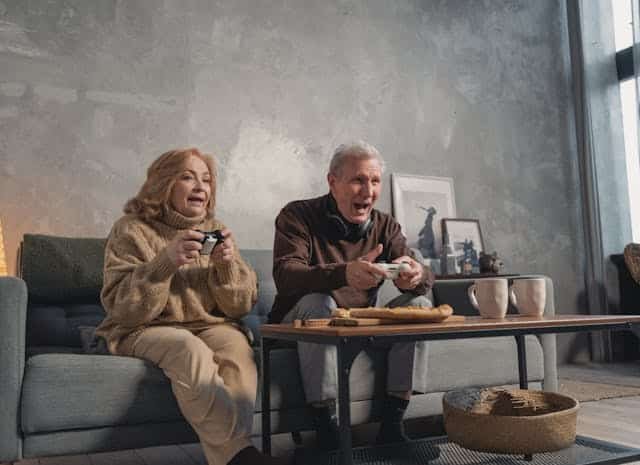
(522, 361)
(522, 373)
(266, 395)
(347, 351)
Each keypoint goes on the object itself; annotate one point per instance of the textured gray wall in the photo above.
(92, 92)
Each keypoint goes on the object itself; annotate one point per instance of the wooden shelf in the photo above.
(443, 277)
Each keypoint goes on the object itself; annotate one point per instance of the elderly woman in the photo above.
(169, 304)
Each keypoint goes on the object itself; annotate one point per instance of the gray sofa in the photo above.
(55, 398)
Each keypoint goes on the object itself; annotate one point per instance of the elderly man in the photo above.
(325, 254)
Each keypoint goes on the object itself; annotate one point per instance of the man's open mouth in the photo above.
(361, 207)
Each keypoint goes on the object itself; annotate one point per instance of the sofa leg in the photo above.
(297, 438)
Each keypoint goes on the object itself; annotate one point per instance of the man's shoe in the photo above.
(433, 452)
(252, 456)
(390, 433)
(391, 427)
(409, 452)
(326, 423)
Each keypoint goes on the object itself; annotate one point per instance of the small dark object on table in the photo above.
(490, 263)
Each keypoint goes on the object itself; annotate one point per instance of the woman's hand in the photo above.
(185, 247)
(223, 252)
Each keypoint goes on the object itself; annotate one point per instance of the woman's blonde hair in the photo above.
(162, 176)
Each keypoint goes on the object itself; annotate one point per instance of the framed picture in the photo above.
(419, 202)
(464, 240)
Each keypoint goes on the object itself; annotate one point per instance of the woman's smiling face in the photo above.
(192, 190)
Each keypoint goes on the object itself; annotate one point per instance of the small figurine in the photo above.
(469, 257)
(427, 242)
(490, 263)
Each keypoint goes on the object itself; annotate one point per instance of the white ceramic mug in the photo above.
(490, 296)
(529, 295)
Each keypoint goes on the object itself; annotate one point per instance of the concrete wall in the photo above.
(92, 92)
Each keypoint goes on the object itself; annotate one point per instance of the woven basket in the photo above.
(510, 422)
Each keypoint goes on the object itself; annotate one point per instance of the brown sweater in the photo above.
(308, 258)
(142, 287)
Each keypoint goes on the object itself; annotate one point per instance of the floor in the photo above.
(616, 420)
(623, 374)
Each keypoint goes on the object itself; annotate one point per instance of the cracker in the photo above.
(315, 322)
(340, 313)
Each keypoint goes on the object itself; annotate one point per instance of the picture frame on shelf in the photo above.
(418, 203)
(463, 239)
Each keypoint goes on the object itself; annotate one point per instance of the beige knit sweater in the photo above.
(142, 287)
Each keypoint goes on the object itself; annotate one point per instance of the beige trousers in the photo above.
(214, 378)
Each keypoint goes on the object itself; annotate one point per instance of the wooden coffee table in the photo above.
(350, 341)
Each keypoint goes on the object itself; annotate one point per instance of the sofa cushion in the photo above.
(60, 325)
(63, 391)
(491, 361)
(62, 269)
(287, 391)
(69, 391)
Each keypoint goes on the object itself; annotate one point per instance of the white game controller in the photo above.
(208, 245)
(210, 240)
(393, 270)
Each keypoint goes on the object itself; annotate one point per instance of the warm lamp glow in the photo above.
(3, 259)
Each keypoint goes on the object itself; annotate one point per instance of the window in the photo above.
(623, 27)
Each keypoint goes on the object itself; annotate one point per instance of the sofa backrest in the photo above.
(62, 269)
(262, 262)
(64, 280)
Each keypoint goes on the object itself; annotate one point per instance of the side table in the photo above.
(441, 277)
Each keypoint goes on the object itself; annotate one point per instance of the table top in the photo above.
(471, 324)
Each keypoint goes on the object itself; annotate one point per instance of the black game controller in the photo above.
(210, 240)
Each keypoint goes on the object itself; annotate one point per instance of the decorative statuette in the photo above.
(490, 263)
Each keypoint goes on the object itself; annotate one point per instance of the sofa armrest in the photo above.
(454, 293)
(13, 316)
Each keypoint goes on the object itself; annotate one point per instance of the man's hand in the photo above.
(185, 247)
(362, 274)
(223, 253)
(408, 280)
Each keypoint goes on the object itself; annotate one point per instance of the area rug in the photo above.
(620, 373)
(587, 391)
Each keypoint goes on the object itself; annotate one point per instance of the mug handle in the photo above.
(512, 297)
(471, 292)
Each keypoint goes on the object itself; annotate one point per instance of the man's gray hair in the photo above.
(359, 150)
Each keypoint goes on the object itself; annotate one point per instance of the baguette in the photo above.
(438, 313)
